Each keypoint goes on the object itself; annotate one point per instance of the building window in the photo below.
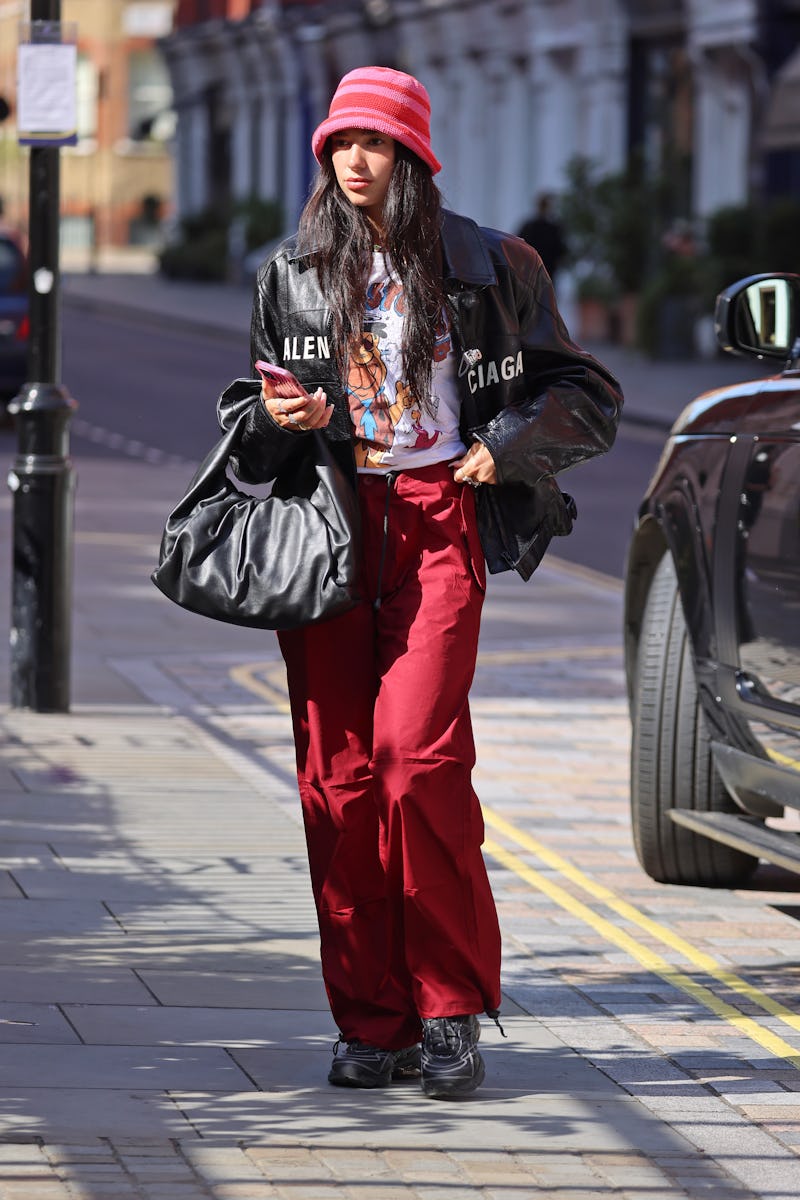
(147, 19)
(149, 95)
(86, 88)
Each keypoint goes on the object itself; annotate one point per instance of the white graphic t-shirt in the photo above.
(393, 429)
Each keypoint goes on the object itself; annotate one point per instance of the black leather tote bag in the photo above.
(274, 562)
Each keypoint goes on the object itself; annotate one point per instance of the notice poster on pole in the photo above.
(47, 94)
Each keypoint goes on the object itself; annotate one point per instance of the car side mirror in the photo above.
(760, 317)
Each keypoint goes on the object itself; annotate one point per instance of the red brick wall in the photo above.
(190, 12)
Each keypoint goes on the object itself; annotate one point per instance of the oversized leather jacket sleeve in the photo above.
(569, 407)
(265, 446)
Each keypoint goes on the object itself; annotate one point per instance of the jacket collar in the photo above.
(465, 255)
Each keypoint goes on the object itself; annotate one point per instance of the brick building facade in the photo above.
(118, 181)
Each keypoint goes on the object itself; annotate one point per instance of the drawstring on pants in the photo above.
(391, 476)
(494, 1013)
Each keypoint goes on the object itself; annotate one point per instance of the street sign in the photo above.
(47, 96)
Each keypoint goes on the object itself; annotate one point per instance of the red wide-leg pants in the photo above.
(385, 752)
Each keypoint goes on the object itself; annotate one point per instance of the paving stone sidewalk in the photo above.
(164, 1029)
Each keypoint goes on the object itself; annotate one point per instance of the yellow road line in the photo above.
(698, 958)
(784, 759)
(648, 958)
(515, 657)
(246, 677)
(586, 574)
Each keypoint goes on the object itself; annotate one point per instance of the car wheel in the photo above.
(671, 761)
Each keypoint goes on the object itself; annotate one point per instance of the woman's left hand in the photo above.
(476, 467)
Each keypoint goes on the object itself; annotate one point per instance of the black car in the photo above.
(14, 320)
(712, 615)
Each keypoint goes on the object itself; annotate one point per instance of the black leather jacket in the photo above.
(537, 401)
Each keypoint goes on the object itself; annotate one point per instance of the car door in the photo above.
(757, 579)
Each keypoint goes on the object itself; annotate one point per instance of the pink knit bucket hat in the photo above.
(387, 101)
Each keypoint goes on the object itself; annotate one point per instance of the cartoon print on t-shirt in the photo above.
(403, 400)
(406, 417)
(387, 428)
(424, 439)
(370, 456)
(366, 392)
(387, 296)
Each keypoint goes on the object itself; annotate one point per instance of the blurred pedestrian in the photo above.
(451, 394)
(545, 234)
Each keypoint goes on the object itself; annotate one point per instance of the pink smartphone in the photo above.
(283, 381)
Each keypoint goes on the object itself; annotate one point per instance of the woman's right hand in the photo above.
(297, 413)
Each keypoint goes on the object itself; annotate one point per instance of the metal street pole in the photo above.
(41, 478)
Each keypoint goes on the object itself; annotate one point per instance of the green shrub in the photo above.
(781, 236)
(263, 221)
(625, 232)
(668, 306)
(202, 251)
(752, 239)
(732, 232)
(733, 246)
(598, 286)
(203, 258)
(611, 222)
(208, 220)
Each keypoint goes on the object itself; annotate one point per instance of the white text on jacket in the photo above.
(305, 347)
(484, 376)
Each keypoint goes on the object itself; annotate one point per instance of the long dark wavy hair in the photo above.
(340, 238)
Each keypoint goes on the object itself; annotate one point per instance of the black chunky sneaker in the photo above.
(356, 1064)
(451, 1062)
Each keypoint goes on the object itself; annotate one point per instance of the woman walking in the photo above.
(451, 394)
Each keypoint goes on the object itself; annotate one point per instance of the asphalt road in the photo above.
(150, 384)
(145, 390)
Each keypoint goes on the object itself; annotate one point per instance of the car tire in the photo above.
(671, 760)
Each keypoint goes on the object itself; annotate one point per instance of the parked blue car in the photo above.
(14, 319)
